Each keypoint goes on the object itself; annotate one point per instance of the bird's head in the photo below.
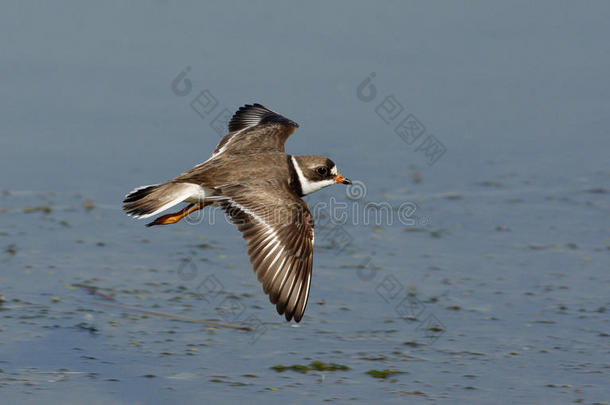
(316, 172)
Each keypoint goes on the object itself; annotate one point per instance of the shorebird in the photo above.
(259, 187)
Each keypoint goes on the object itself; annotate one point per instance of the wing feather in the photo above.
(255, 128)
(278, 230)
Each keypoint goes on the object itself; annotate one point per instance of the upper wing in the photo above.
(255, 128)
(278, 229)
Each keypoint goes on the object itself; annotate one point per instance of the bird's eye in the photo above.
(322, 171)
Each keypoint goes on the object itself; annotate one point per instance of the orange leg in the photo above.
(177, 216)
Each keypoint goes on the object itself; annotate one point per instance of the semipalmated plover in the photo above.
(259, 187)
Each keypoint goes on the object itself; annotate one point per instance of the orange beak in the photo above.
(340, 179)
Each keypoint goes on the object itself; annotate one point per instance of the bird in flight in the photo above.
(259, 187)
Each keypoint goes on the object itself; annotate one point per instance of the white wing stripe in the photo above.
(224, 147)
(271, 234)
(277, 256)
(272, 250)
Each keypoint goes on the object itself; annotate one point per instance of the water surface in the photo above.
(495, 291)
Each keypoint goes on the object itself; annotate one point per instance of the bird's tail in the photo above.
(146, 201)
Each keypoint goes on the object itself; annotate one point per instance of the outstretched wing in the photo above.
(278, 229)
(256, 128)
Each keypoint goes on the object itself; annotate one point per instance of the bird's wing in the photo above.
(278, 229)
(256, 128)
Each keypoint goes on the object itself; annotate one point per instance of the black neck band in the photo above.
(295, 183)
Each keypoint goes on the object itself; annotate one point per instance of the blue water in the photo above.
(493, 288)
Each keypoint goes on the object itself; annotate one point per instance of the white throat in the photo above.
(308, 186)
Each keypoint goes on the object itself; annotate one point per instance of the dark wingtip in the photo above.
(290, 317)
(256, 114)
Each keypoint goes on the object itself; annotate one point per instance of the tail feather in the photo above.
(139, 192)
(146, 201)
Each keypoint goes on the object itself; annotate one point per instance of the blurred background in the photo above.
(491, 119)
